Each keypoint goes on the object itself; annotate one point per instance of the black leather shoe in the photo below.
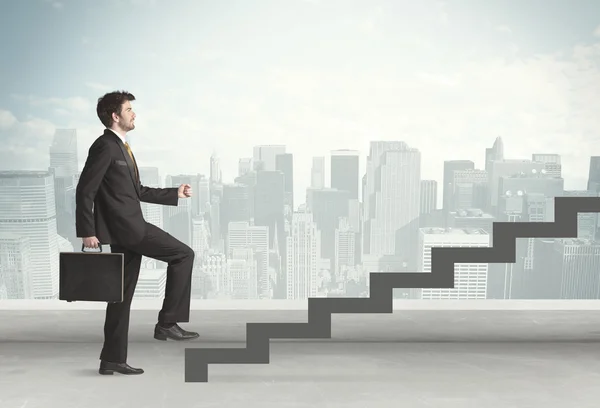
(174, 333)
(108, 368)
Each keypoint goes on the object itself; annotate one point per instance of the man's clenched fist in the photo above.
(91, 242)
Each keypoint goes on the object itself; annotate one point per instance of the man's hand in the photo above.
(184, 191)
(91, 242)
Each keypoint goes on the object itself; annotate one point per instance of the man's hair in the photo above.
(110, 103)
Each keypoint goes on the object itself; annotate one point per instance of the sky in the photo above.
(316, 75)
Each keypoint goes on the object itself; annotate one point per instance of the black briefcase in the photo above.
(92, 276)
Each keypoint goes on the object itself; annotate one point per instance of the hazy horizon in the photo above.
(447, 78)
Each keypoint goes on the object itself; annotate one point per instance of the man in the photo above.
(108, 211)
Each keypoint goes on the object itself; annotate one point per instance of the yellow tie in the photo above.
(132, 159)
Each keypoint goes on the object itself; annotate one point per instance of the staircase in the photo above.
(258, 335)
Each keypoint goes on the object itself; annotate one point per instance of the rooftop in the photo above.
(426, 354)
(24, 173)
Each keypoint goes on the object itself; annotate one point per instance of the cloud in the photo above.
(504, 29)
(25, 143)
(75, 104)
(543, 103)
(99, 87)
(433, 86)
(437, 79)
(372, 23)
(7, 119)
(597, 31)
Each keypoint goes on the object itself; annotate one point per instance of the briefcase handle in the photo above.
(83, 248)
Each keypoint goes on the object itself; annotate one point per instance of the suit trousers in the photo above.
(160, 245)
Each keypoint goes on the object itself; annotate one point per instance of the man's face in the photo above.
(126, 119)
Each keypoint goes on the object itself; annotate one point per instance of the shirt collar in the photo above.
(120, 136)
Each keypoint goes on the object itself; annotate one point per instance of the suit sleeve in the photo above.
(91, 177)
(164, 196)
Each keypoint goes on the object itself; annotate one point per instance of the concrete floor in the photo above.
(411, 358)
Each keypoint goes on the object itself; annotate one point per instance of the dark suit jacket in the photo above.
(108, 195)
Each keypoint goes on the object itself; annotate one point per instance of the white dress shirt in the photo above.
(120, 136)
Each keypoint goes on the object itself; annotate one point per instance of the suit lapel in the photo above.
(130, 163)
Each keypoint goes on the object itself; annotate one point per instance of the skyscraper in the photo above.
(428, 196)
(552, 163)
(15, 273)
(594, 174)
(153, 213)
(450, 166)
(27, 208)
(285, 163)
(264, 157)
(64, 165)
(63, 153)
(392, 201)
(317, 173)
(344, 171)
(269, 197)
(303, 256)
(494, 153)
(244, 235)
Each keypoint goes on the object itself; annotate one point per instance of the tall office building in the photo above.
(470, 190)
(512, 167)
(269, 199)
(303, 256)
(151, 282)
(594, 174)
(15, 276)
(244, 165)
(345, 247)
(470, 279)
(244, 235)
(392, 202)
(242, 266)
(552, 163)
(428, 196)
(317, 173)
(27, 208)
(201, 188)
(450, 166)
(216, 175)
(216, 283)
(285, 164)
(63, 153)
(570, 270)
(494, 153)
(200, 236)
(153, 213)
(328, 205)
(177, 220)
(235, 205)
(64, 165)
(264, 157)
(201, 244)
(344, 171)
(533, 182)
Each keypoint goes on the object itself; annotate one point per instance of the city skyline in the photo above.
(430, 115)
(250, 242)
(450, 75)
